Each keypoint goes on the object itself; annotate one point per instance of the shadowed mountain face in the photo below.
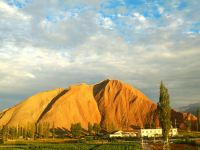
(113, 104)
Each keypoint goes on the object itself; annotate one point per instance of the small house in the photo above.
(122, 134)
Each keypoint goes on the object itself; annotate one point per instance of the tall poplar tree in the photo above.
(164, 112)
(53, 131)
(90, 128)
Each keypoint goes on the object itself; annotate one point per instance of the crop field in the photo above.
(73, 146)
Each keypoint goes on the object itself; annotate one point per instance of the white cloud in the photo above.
(107, 23)
(161, 10)
(30, 75)
(139, 17)
(7, 9)
(11, 11)
(104, 22)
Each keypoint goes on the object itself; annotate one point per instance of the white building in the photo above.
(122, 134)
(156, 132)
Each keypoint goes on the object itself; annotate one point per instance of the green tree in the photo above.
(187, 125)
(153, 124)
(1, 135)
(147, 126)
(12, 132)
(24, 131)
(5, 133)
(42, 130)
(39, 130)
(76, 129)
(150, 125)
(35, 133)
(53, 131)
(46, 129)
(30, 128)
(164, 112)
(20, 132)
(198, 119)
(90, 128)
(96, 128)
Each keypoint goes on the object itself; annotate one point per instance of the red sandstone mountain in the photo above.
(113, 104)
(121, 105)
(181, 117)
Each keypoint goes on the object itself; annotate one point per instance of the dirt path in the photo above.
(145, 146)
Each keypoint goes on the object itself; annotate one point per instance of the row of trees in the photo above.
(43, 130)
(93, 129)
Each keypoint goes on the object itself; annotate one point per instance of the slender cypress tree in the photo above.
(164, 112)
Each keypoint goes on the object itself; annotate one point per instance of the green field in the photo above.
(72, 146)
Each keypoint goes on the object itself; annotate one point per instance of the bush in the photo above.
(97, 128)
(76, 130)
(89, 138)
(1, 141)
(187, 141)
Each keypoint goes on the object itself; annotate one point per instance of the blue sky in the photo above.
(55, 43)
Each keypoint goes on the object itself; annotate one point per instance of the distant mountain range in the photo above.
(111, 103)
(192, 108)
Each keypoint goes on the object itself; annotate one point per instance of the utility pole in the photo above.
(142, 143)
